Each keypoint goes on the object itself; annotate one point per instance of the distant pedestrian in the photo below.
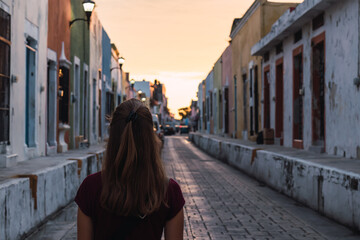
(131, 198)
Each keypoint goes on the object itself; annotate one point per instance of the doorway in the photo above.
(266, 97)
(318, 88)
(279, 104)
(298, 93)
(226, 104)
(30, 99)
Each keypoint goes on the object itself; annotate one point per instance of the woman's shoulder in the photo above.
(93, 178)
(175, 198)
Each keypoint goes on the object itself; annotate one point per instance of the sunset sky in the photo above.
(174, 41)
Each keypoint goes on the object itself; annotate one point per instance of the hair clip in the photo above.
(132, 116)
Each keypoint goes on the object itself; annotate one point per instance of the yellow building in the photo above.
(246, 69)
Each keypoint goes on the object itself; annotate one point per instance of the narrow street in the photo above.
(221, 203)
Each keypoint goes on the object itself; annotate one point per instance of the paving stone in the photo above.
(222, 203)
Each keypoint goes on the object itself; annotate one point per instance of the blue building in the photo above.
(107, 93)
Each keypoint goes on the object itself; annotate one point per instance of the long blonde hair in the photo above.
(133, 177)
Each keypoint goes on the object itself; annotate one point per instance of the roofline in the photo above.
(246, 17)
(289, 23)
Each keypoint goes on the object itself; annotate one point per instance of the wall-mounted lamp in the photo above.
(88, 6)
(132, 82)
(121, 61)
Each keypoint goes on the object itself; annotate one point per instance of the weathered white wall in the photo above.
(24, 14)
(341, 95)
(95, 66)
(56, 187)
(342, 106)
(294, 174)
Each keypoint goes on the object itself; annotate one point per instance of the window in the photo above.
(318, 21)
(298, 36)
(4, 76)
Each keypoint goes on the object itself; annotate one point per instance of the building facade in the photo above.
(209, 109)
(217, 97)
(107, 94)
(23, 72)
(77, 100)
(247, 31)
(96, 80)
(58, 74)
(320, 67)
(227, 87)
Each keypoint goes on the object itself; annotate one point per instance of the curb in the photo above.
(329, 190)
(27, 200)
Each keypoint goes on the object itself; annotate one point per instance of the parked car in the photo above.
(169, 128)
(177, 126)
(184, 128)
(157, 128)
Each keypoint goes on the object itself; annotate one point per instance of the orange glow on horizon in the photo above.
(176, 42)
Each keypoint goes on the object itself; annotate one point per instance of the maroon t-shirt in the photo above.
(110, 226)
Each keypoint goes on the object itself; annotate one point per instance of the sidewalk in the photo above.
(35, 189)
(325, 183)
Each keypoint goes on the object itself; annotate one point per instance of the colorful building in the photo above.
(77, 100)
(59, 65)
(227, 88)
(200, 104)
(247, 31)
(217, 97)
(107, 94)
(209, 109)
(311, 69)
(23, 73)
(96, 82)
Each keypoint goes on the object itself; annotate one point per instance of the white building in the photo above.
(23, 79)
(116, 76)
(311, 77)
(96, 78)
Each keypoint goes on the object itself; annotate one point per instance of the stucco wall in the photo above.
(342, 107)
(216, 99)
(297, 175)
(256, 24)
(29, 19)
(200, 106)
(208, 90)
(79, 36)
(24, 206)
(106, 65)
(227, 81)
(94, 68)
(241, 44)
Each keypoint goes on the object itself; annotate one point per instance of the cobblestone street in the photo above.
(221, 203)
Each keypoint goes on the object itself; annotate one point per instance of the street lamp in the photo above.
(121, 61)
(88, 6)
(132, 82)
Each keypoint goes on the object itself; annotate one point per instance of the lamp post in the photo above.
(132, 82)
(121, 61)
(88, 6)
